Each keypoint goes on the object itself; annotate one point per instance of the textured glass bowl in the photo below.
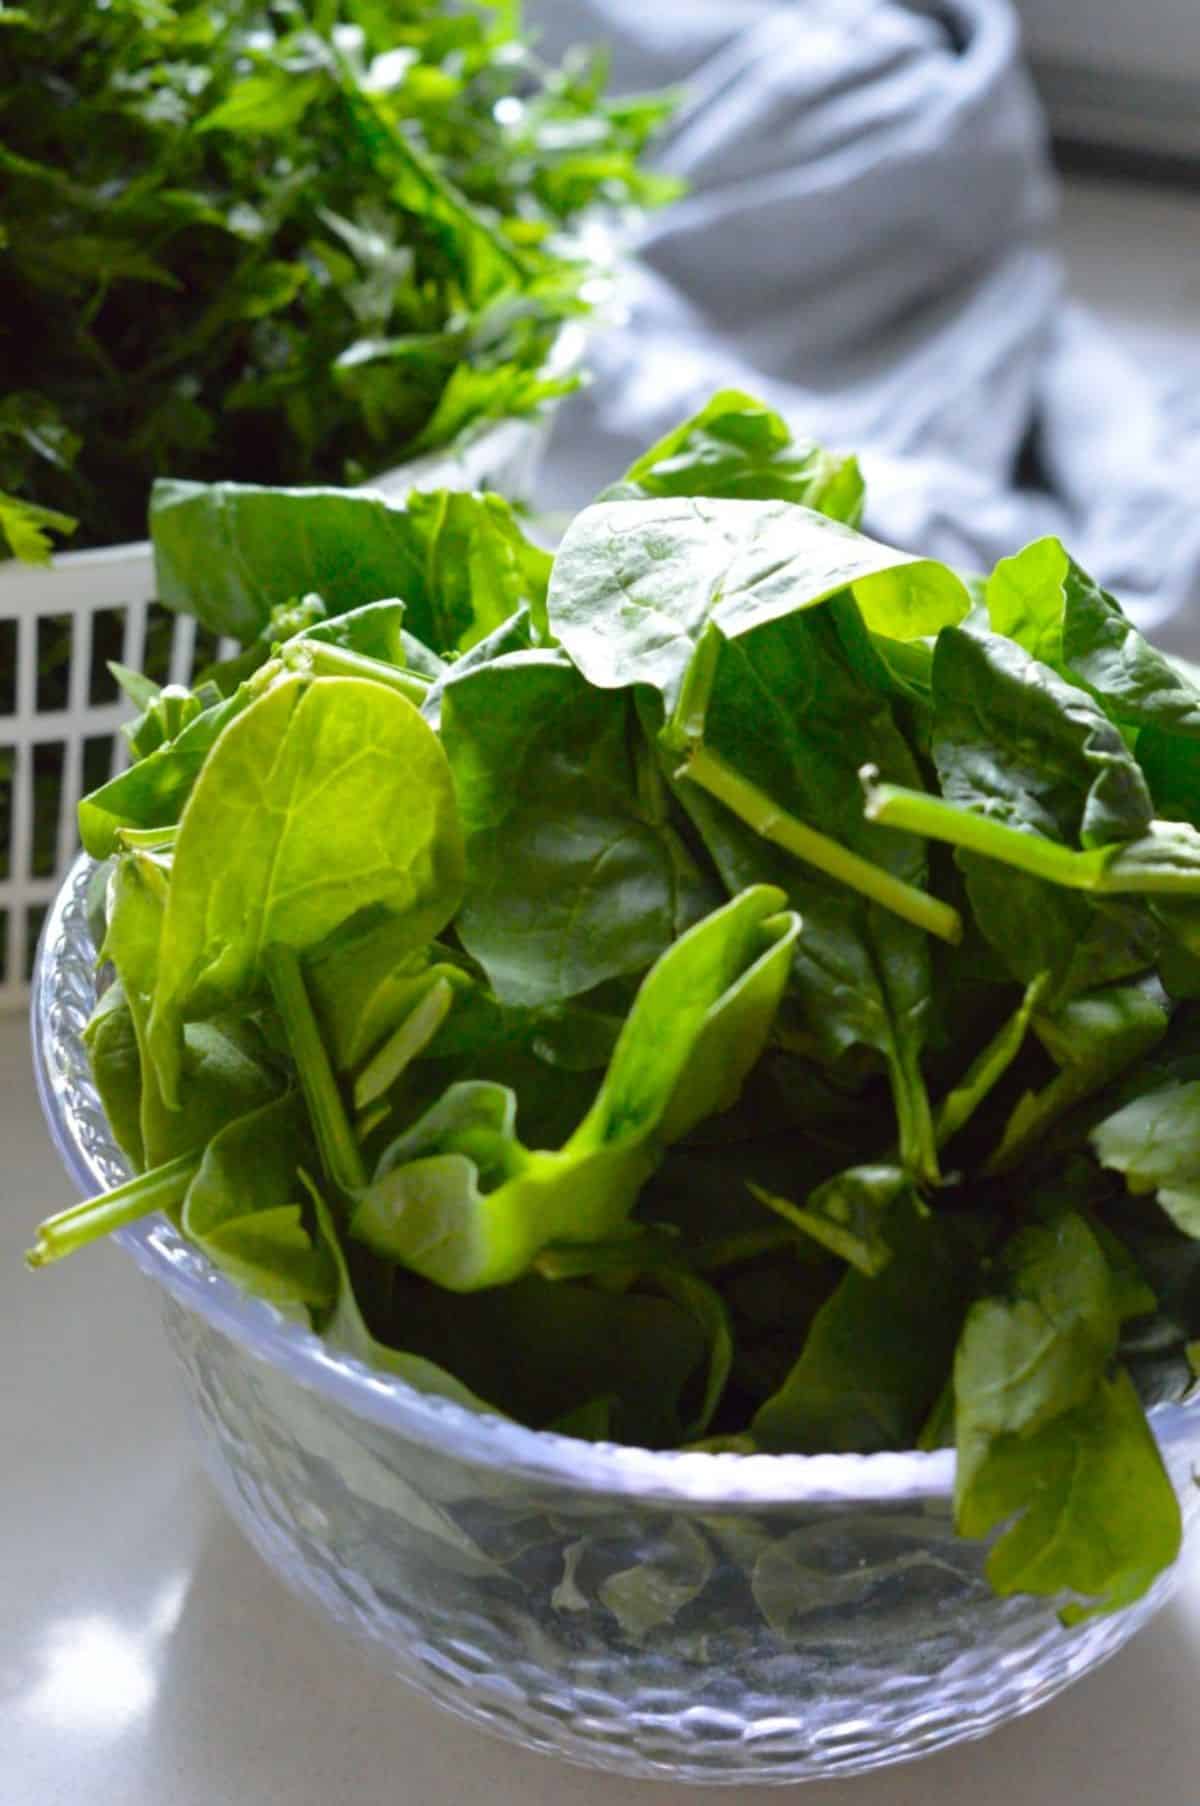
(717, 1618)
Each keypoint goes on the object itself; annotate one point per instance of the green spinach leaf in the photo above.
(336, 798)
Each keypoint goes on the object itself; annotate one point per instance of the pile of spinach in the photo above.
(734, 984)
(281, 241)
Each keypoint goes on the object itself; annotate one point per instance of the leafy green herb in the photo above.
(281, 243)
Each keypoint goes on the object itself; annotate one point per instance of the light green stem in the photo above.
(341, 1156)
(1163, 862)
(339, 661)
(987, 1068)
(892, 806)
(766, 818)
(148, 839)
(163, 1188)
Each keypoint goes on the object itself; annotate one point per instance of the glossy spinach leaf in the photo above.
(1099, 1517)
(229, 553)
(1155, 1142)
(577, 870)
(1044, 601)
(337, 799)
(734, 447)
(224, 1069)
(1028, 750)
(248, 1210)
(877, 1351)
(115, 1060)
(783, 706)
(461, 1200)
(1047, 1432)
(635, 584)
(364, 978)
(152, 793)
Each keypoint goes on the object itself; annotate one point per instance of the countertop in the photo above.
(148, 1658)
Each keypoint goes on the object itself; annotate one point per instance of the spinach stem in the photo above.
(340, 1154)
(340, 661)
(767, 819)
(148, 839)
(893, 806)
(731, 1250)
(1165, 861)
(404, 1044)
(988, 1067)
(914, 1116)
(163, 1188)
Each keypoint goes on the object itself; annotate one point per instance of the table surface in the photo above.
(148, 1658)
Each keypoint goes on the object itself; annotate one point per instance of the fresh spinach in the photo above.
(337, 799)
(729, 990)
(579, 870)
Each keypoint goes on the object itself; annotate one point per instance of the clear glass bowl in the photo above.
(716, 1618)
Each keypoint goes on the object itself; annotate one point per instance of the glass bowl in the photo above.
(713, 1618)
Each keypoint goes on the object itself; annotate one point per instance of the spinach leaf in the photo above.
(1171, 765)
(115, 1060)
(1016, 743)
(1025, 1358)
(337, 799)
(847, 1213)
(737, 448)
(1098, 1517)
(782, 705)
(540, 1347)
(1042, 599)
(246, 1208)
(675, 1571)
(223, 1069)
(459, 1199)
(1036, 765)
(577, 871)
(877, 1351)
(230, 553)
(987, 1068)
(364, 979)
(1092, 1038)
(1155, 1142)
(635, 584)
(1045, 1431)
(152, 793)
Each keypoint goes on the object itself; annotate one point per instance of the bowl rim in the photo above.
(63, 994)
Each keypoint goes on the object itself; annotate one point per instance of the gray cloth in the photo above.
(867, 243)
